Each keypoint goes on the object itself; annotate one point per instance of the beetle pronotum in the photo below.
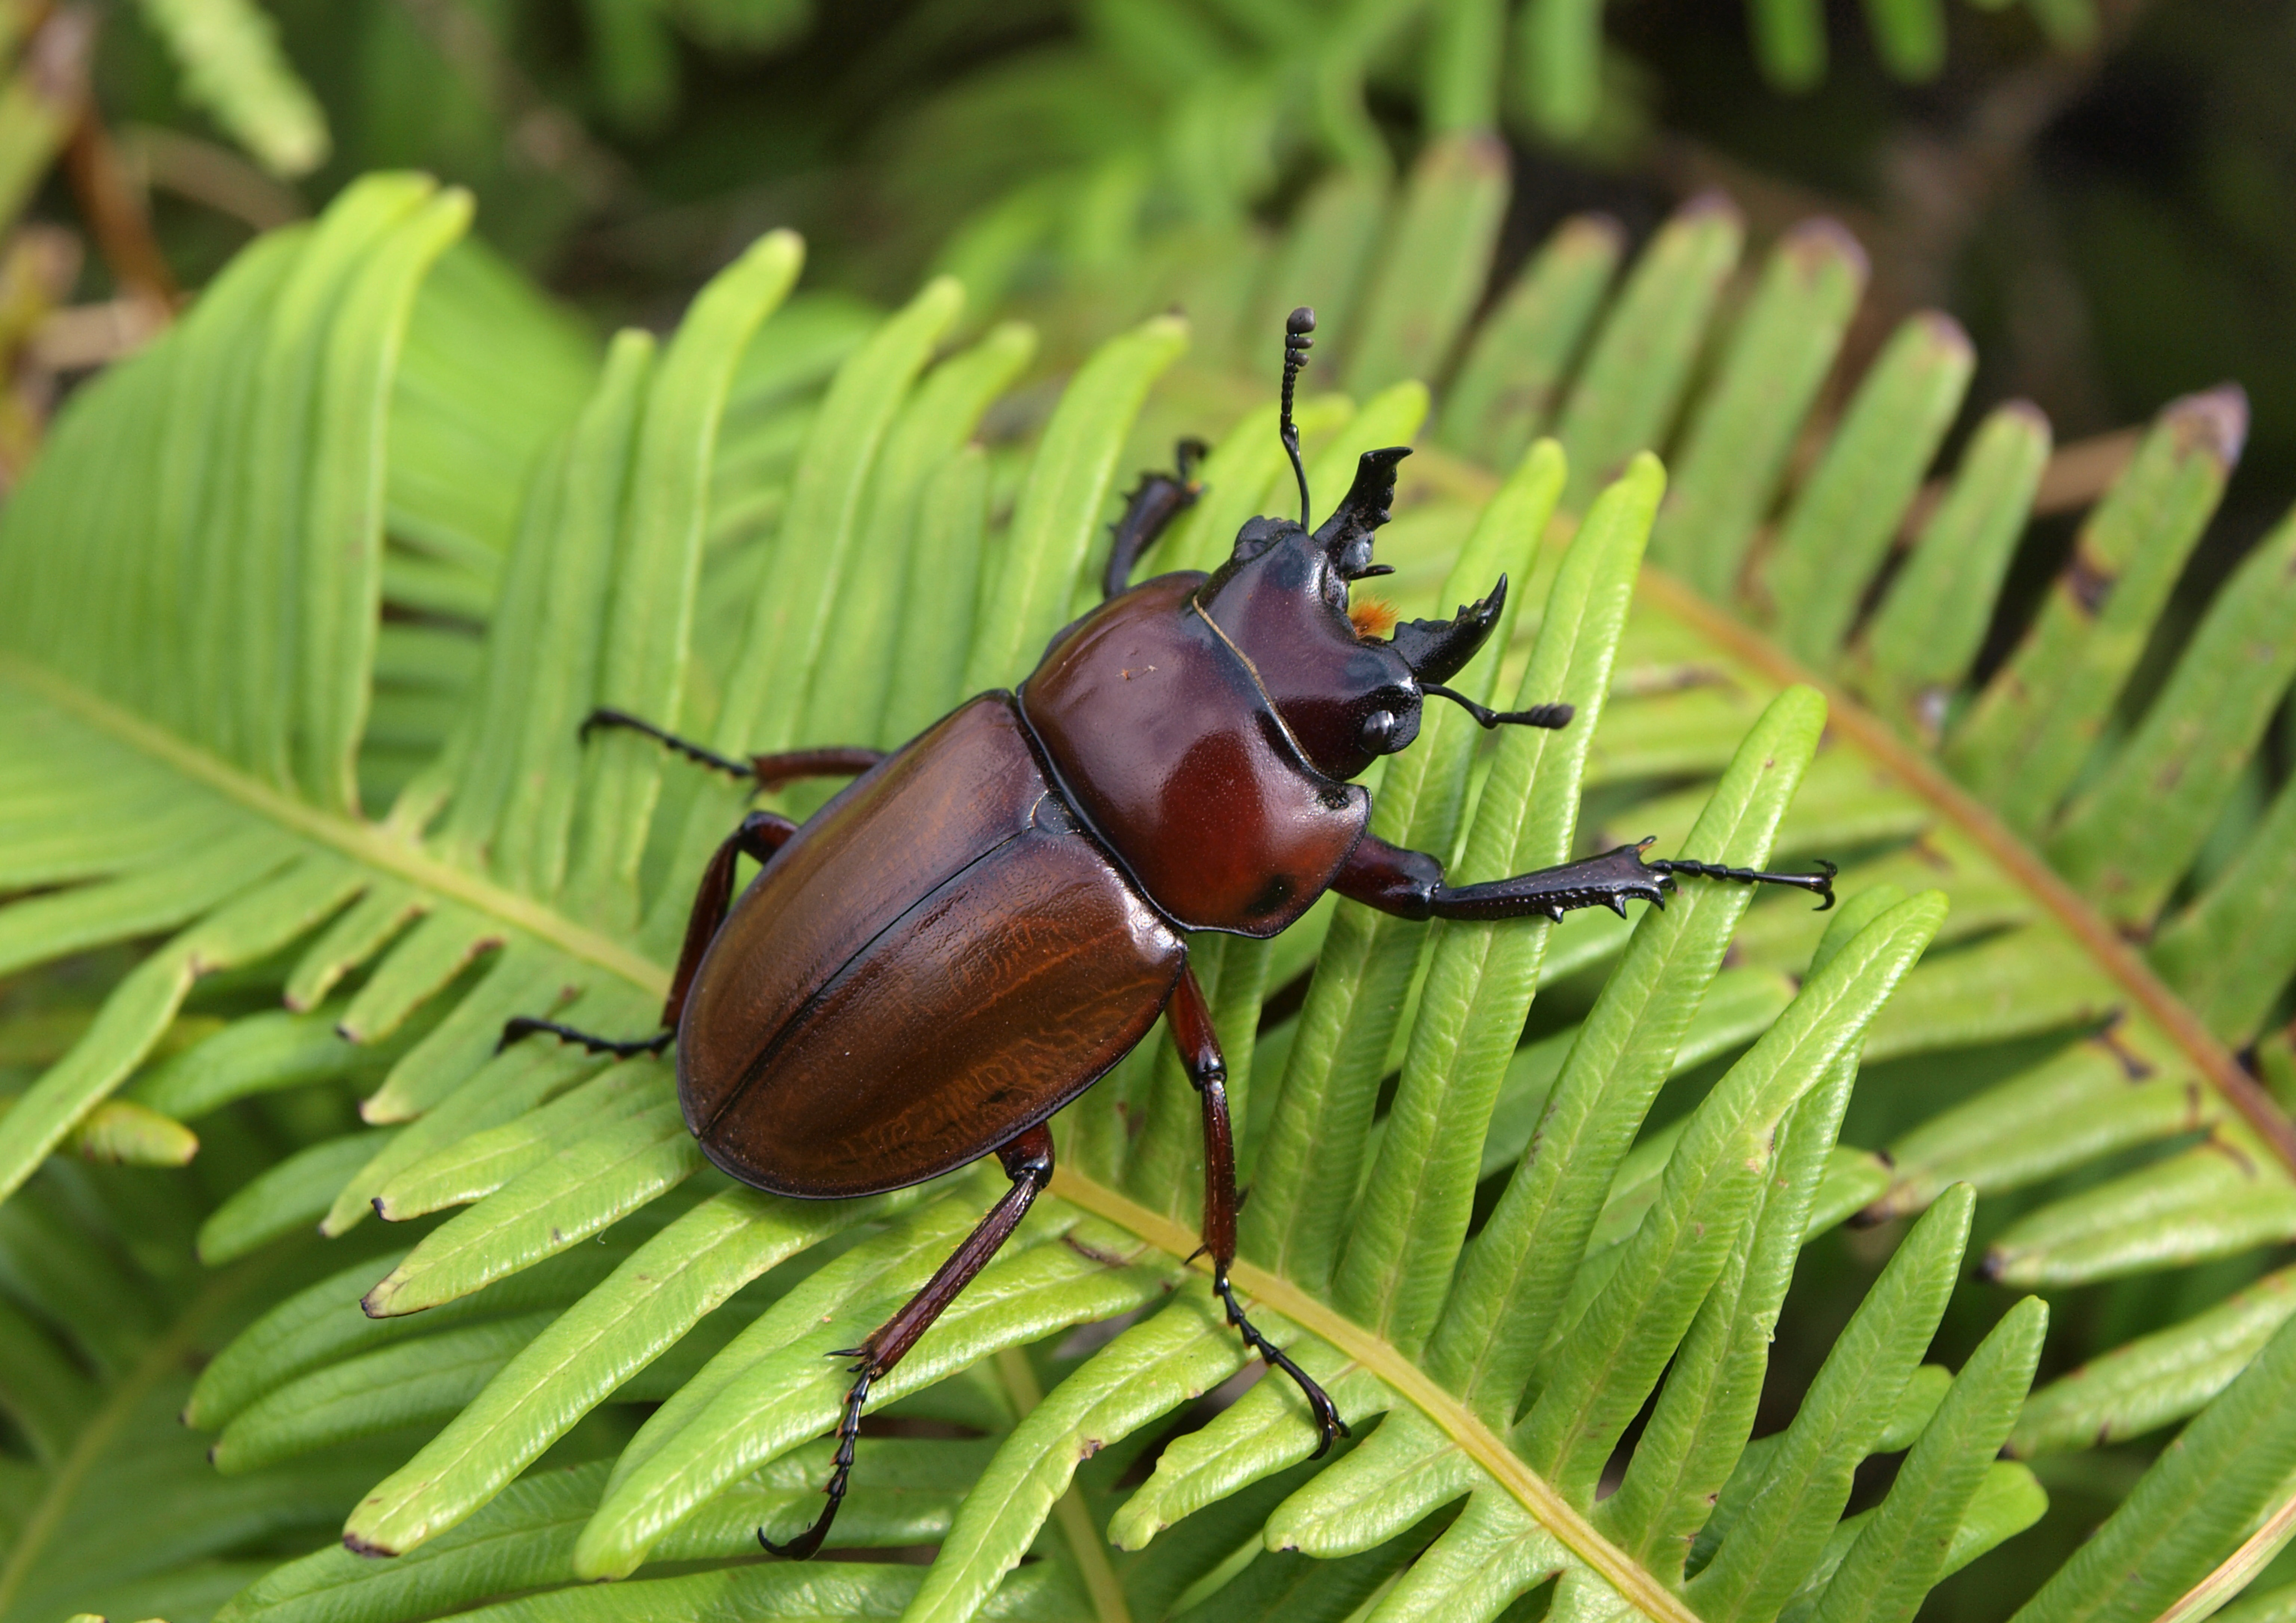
(985, 920)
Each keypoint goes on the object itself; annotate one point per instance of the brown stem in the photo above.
(114, 208)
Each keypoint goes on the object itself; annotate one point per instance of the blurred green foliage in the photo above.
(2099, 194)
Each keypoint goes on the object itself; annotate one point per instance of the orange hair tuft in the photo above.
(1371, 616)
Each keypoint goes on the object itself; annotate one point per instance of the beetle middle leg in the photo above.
(1411, 884)
(1194, 1035)
(1028, 1161)
(766, 771)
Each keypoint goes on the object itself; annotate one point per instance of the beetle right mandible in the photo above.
(987, 919)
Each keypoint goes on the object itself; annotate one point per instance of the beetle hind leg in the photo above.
(805, 1544)
(622, 1049)
(1191, 1020)
(1028, 1161)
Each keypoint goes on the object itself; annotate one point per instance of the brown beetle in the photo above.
(987, 919)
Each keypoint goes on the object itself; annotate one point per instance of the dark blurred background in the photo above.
(2098, 194)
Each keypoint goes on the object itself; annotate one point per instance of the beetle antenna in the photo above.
(1296, 326)
(1550, 716)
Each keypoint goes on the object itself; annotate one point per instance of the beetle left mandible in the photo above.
(985, 920)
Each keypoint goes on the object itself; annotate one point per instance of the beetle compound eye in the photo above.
(1378, 727)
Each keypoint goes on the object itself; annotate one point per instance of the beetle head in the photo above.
(1282, 600)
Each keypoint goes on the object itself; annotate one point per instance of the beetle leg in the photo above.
(766, 771)
(1411, 885)
(1028, 1161)
(849, 1434)
(1819, 884)
(1190, 1020)
(758, 836)
(606, 716)
(623, 1048)
(835, 761)
(1157, 500)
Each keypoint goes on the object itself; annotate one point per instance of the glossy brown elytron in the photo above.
(987, 920)
(963, 987)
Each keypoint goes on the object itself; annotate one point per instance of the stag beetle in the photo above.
(987, 919)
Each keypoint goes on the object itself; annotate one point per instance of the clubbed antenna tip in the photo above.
(1297, 342)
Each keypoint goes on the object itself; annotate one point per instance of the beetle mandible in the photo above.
(986, 920)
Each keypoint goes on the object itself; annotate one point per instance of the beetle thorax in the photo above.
(1171, 753)
(1284, 610)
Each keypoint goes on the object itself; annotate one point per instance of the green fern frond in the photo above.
(1503, 1345)
(1198, 110)
(104, 1314)
(232, 67)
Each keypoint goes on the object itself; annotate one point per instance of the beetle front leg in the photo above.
(1148, 512)
(1410, 884)
(1028, 1161)
(1194, 1035)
